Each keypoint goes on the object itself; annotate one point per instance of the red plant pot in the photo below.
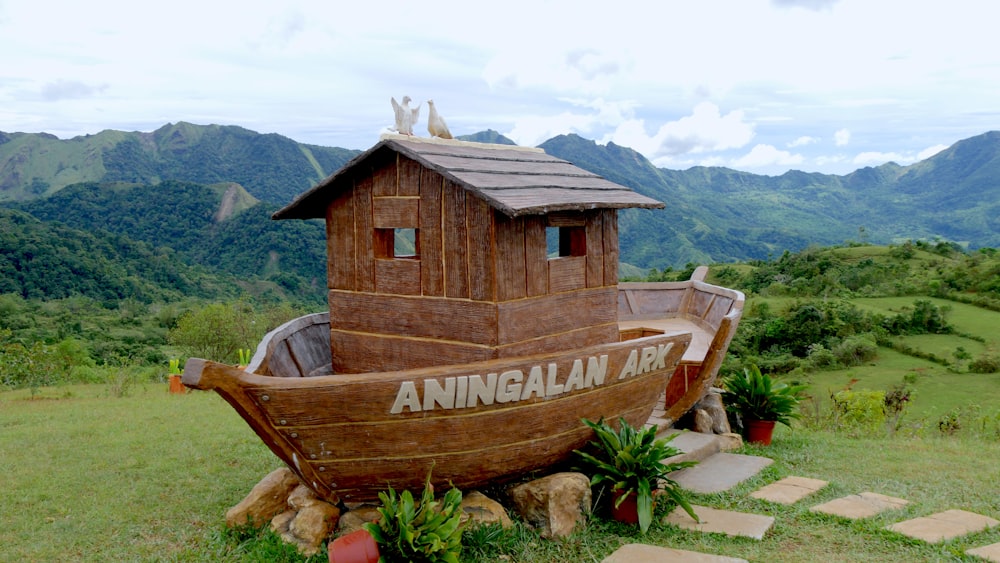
(628, 510)
(176, 387)
(356, 547)
(760, 431)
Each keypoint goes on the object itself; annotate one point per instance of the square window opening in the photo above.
(565, 241)
(397, 243)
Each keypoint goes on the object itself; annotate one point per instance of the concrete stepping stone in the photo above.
(722, 522)
(789, 490)
(943, 525)
(988, 552)
(641, 553)
(860, 506)
(694, 446)
(720, 472)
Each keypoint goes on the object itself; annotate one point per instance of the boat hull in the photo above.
(350, 436)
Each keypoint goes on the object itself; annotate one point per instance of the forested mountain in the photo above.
(220, 227)
(271, 167)
(43, 260)
(713, 214)
(717, 214)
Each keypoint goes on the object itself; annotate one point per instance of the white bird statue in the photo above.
(406, 118)
(435, 123)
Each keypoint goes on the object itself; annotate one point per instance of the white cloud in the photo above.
(803, 141)
(930, 151)
(767, 155)
(815, 5)
(705, 130)
(842, 137)
(875, 158)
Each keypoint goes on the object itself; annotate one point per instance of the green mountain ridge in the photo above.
(713, 214)
(220, 228)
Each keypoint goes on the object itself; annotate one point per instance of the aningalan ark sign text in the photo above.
(541, 381)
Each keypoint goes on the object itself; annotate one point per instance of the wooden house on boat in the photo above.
(475, 317)
(481, 282)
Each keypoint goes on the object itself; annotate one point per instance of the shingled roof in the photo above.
(514, 180)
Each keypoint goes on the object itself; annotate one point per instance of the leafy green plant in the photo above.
(424, 531)
(245, 355)
(174, 367)
(756, 396)
(630, 460)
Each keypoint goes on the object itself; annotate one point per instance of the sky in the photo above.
(763, 86)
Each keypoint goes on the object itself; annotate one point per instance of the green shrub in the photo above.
(860, 412)
(855, 350)
(987, 363)
(425, 531)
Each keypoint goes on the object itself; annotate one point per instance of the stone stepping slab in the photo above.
(860, 506)
(789, 490)
(988, 552)
(720, 472)
(943, 525)
(641, 553)
(722, 522)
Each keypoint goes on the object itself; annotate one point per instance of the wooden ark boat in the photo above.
(477, 351)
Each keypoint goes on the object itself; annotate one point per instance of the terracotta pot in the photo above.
(628, 510)
(356, 547)
(176, 386)
(760, 431)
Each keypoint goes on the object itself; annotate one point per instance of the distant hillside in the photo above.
(716, 214)
(271, 167)
(713, 214)
(219, 227)
(42, 260)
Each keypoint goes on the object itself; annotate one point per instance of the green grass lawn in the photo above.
(148, 477)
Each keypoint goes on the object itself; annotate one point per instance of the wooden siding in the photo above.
(341, 262)
(474, 322)
(362, 353)
(396, 212)
(538, 317)
(482, 250)
(536, 256)
(432, 254)
(609, 223)
(512, 276)
(399, 276)
(567, 273)
(586, 336)
(456, 257)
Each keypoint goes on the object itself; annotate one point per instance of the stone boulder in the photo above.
(356, 517)
(308, 525)
(481, 509)
(554, 504)
(714, 408)
(267, 499)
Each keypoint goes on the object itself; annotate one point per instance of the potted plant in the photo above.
(630, 462)
(174, 377)
(759, 401)
(420, 531)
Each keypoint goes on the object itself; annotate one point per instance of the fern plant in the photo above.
(419, 531)
(630, 460)
(756, 396)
